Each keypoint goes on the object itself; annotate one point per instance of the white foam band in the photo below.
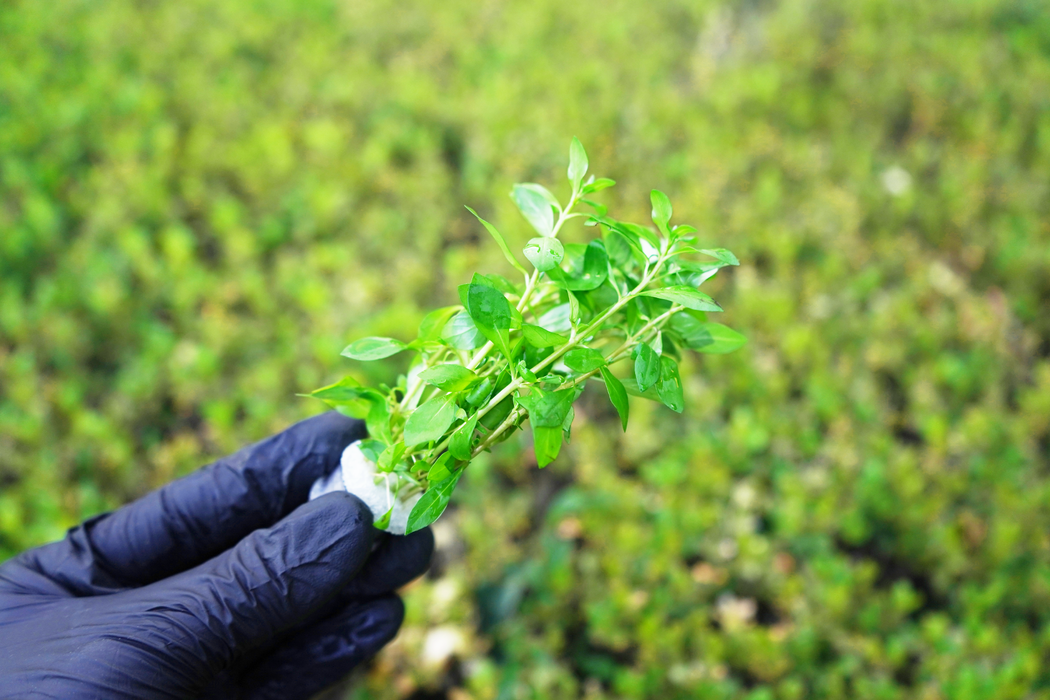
(357, 475)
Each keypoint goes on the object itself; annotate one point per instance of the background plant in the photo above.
(201, 203)
(516, 352)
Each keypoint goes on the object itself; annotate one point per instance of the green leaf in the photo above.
(495, 416)
(594, 271)
(669, 388)
(547, 409)
(575, 316)
(617, 394)
(430, 421)
(434, 322)
(543, 192)
(709, 337)
(371, 449)
(600, 210)
(480, 393)
(377, 420)
(355, 402)
(461, 444)
(541, 337)
(688, 297)
(500, 241)
(688, 328)
(498, 281)
(544, 253)
(346, 389)
(373, 348)
(583, 360)
(557, 319)
(461, 333)
(384, 521)
(433, 503)
(698, 273)
(646, 367)
(500, 338)
(391, 456)
(630, 385)
(636, 233)
(449, 377)
(598, 185)
(566, 425)
(621, 250)
(547, 444)
(535, 207)
(661, 210)
(488, 307)
(657, 343)
(722, 255)
(439, 471)
(577, 163)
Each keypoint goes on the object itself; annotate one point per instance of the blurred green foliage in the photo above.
(201, 203)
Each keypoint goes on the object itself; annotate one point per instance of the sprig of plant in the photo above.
(511, 352)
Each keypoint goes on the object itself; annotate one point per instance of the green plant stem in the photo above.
(489, 441)
(419, 388)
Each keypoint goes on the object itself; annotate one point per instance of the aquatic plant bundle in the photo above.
(515, 352)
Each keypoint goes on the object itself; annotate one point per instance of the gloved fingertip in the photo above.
(321, 654)
(396, 561)
(379, 623)
(336, 527)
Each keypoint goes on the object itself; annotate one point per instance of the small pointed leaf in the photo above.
(500, 241)
(367, 349)
(450, 377)
(617, 394)
(539, 337)
(535, 207)
(577, 163)
(461, 443)
(646, 367)
(547, 444)
(433, 503)
(688, 297)
(661, 210)
(430, 421)
(583, 360)
(545, 253)
(669, 386)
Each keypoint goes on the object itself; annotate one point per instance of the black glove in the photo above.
(219, 585)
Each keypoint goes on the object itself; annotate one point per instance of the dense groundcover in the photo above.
(201, 202)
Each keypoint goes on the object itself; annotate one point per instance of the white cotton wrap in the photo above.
(357, 475)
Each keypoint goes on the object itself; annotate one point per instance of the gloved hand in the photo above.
(219, 585)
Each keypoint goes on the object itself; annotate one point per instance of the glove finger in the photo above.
(320, 655)
(273, 579)
(397, 560)
(394, 561)
(197, 517)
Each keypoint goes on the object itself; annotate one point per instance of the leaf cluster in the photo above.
(512, 352)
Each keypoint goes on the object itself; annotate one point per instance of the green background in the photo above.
(201, 202)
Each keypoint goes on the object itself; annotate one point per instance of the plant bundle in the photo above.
(515, 352)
